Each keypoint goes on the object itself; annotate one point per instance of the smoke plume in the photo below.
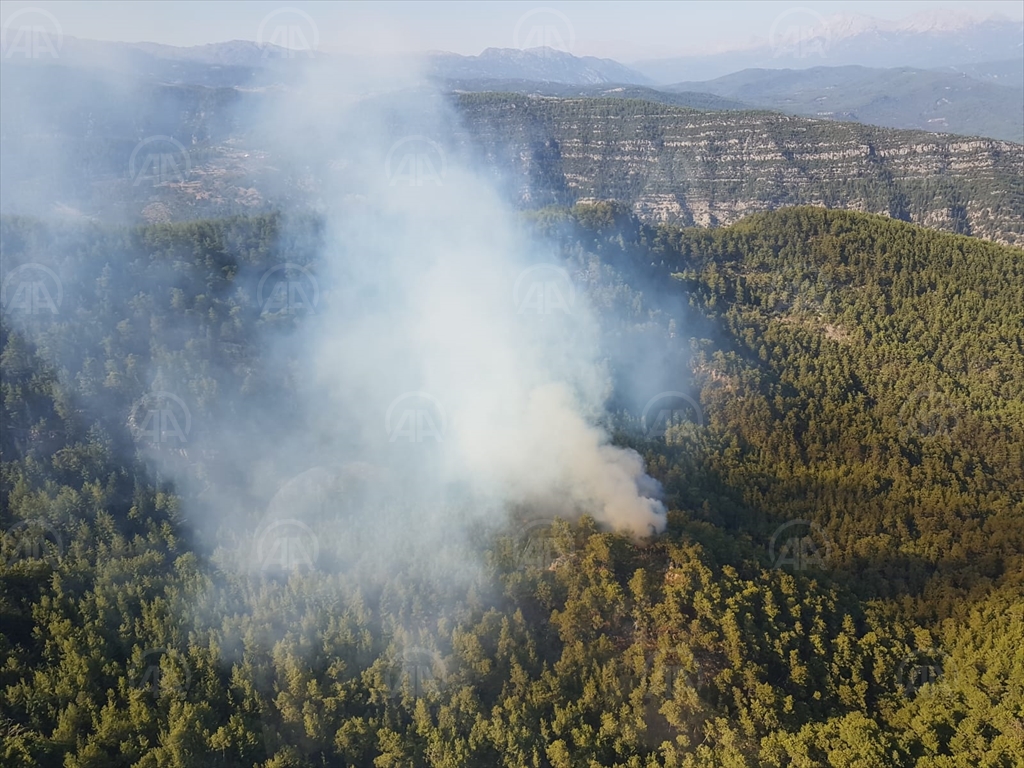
(454, 349)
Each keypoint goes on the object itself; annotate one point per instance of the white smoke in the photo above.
(440, 345)
(452, 346)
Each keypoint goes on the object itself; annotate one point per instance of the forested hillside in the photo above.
(840, 582)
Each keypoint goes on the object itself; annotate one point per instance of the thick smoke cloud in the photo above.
(449, 372)
(449, 349)
(457, 349)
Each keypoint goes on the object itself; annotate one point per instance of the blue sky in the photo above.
(623, 30)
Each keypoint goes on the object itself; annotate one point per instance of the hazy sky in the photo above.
(623, 30)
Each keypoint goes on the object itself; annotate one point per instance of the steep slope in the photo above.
(711, 168)
(73, 152)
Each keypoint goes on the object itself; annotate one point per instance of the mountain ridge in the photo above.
(669, 163)
(802, 38)
(902, 97)
(538, 64)
(666, 162)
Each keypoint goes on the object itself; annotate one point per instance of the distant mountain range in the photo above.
(802, 38)
(897, 98)
(701, 152)
(810, 66)
(246, 63)
(544, 65)
(799, 38)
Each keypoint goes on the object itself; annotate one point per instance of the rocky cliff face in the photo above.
(75, 155)
(711, 168)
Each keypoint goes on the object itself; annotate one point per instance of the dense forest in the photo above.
(840, 581)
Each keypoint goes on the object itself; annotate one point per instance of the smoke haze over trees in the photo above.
(347, 421)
